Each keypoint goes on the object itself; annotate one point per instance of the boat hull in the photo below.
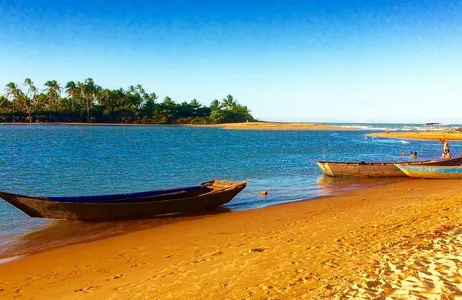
(365, 170)
(103, 211)
(376, 169)
(432, 172)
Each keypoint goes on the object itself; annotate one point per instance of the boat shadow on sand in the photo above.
(59, 233)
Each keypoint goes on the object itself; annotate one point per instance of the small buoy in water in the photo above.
(263, 193)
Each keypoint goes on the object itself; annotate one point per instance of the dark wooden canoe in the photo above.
(206, 196)
(377, 169)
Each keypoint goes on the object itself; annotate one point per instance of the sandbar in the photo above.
(284, 126)
(420, 135)
(400, 240)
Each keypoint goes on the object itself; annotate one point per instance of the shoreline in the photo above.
(418, 135)
(317, 248)
(228, 126)
(60, 233)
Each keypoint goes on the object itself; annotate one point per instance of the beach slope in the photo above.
(399, 240)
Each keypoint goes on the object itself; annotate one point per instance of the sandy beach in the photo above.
(401, 240)
(234, 126)
(420, 135)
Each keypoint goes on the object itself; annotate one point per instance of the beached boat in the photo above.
(205, 196)
(433, 172)
(377, 169)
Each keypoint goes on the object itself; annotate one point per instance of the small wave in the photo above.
(370, 127)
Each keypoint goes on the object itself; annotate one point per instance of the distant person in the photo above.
(412, 155)
(415, 154)
(387, 131)
(402, 153)
(446, 150)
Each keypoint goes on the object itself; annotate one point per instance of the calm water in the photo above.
(80, 160)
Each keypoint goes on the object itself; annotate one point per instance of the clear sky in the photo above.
(333, 61)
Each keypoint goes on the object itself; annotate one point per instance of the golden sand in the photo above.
(283, 126)
(401, 240)
(420, 135)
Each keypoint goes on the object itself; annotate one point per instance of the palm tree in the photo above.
(31, 93)
(153, 96)
(3, 101)
(53, 90)
(91, 92)
(105, 97)
(13, 92)
(229, 103)
(195, 104)
(139, 89)
(74, 92)
(215, 105)
(131, 90)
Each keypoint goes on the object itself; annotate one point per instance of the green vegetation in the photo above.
(88, 102)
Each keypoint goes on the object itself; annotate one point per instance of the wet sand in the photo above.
(57, 233)
(418, 135)
(400, 240)
(62, 233)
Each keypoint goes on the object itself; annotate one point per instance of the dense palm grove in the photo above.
(88, 102)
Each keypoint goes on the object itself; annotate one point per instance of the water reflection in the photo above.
(334, 185)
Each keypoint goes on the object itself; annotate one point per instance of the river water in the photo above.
(49, 160)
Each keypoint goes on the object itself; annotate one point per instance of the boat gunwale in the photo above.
(363, 163)
(431, 166)
(232, 185)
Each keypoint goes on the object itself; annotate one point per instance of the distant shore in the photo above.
(284, 126)
(230, 126)
(420, 135)
(360, 245)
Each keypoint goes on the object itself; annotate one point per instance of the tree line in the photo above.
(88, 102)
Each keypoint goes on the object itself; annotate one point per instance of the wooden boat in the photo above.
(377, 169)
(433, 172)
(207, 195)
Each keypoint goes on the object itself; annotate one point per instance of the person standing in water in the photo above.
(446, 151)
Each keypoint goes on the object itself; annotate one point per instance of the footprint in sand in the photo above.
(256, 250)
(217, 253)
(86, 289)
(118, 276)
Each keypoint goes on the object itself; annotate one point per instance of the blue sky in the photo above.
(333, 61)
